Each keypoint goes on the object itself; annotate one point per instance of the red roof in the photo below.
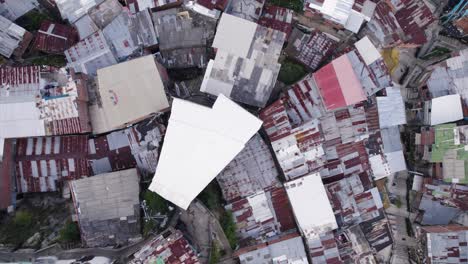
(214, 4)
(278, 18)
(338, 84)
(55, 38)
(6, 168)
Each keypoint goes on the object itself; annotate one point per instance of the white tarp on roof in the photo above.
(234, 35)
(199, 143)
(311, 206)
(367, 50)
(446, 109)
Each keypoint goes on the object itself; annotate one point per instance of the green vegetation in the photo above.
(398, 202)
(156, 204)
(436, 52)
(291, 72)
(409, 227)
(215, 255)
(229, 227)
(296, 5)
(18, 229)
(148, 227)
(69, 233)
(211, 197)
(52, 60)
(32, 21)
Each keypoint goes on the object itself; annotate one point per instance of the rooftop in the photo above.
(252, 170)
(55, 100)
(128, 33)
(262, 215)
(449, 246)
(311, 49)
(446, 109)
(116, 107)
(168, 247)
(12, 35)
(391, 108)
(13, 9)
(199, 126)
(72, 10)
(316, 218)
(246, 9)
(54, 38)
(90, 54)
(287, 249)
(257, 53)
(43, 163)
(277, 18)
(347, 13)
(108, 207)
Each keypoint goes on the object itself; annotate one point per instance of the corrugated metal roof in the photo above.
(44, 162)
(11, 35)
(251, 170)
(278, 18)
(168, 247)
(54, 38)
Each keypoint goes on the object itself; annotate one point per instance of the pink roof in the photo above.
(338, 84)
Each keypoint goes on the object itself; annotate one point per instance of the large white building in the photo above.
(199, 143)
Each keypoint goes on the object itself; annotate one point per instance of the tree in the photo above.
(155, 203)
(229, 227)
(69, 233)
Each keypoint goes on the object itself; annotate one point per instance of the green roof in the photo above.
(444, 140)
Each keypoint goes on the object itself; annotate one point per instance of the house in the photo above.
(119, 86)
(444, 244)
(262, 216)
(54, 38)
(128, 33)
(183, 37)
(15, 39)
(90, 54)
(401, 23)
(108, 208)
(312, 211)
(444, 109)
(251, 47)
(216, 135)
(277, 18)
(43, 164)
(283, 249)
(42, 101)
(246, 9)
(349, 14)
(137, 146)
(311, 49)
(12, 9)
(252, 170)
(168, 247)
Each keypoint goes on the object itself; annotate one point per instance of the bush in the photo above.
(229, 227)
(211, 196)
(291, 72)
(32, 21)
(215, 255)
(148, 227)
(18, 229)
(155, 203)
(52, 60)
(296, 5)
(69, 233)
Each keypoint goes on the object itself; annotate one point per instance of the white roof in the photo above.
(367, 50)
(380, 169)
(396, 161)
(417, 183)
(130, 91)
(2, 145)
(446, 109)
(311, 206)
(20, 120)
(234, 35)
(199, 143)
(391, 108)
